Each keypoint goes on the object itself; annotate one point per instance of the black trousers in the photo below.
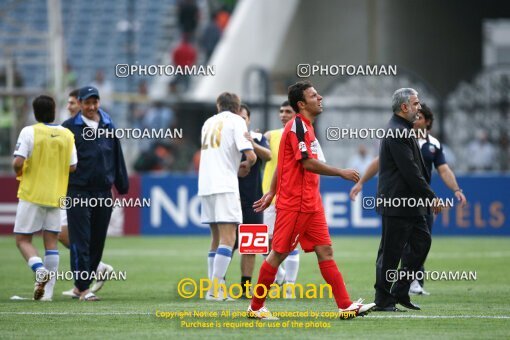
(397, 232)
(87, 226)
(407, 249)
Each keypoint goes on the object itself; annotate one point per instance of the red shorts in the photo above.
(291, 227)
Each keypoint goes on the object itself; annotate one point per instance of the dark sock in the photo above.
(245, 279)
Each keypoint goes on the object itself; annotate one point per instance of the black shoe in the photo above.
(387, 309)
(406, 302)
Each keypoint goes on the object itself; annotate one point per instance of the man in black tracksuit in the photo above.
(101, 165)
(402, 174)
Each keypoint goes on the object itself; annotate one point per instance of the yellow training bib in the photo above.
(46, 171)
(274, 144)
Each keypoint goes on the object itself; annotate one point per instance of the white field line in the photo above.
(397, 316)
(76, 313)
(340, 255)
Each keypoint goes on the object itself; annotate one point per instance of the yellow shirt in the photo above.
(46, 170)
(274, 144)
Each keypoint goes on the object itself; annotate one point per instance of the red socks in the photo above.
(267, 275)
(329, 272)
(333, 277)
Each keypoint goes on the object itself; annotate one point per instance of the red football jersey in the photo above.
(298, 189)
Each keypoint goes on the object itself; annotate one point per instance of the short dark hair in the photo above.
(228, 102)
(247, 108)
(285, 103)
(44, 109)
(427, 114)
(74, 93)
(296, 93)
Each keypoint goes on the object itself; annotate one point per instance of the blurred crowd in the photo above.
(197, 41)
(199, 31)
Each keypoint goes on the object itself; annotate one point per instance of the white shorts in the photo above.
(221, 208)
(31, 218)
(270, 218)
(63, 217)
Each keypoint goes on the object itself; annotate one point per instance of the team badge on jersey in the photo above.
(302, 146)
(432, 148)
(314, 146)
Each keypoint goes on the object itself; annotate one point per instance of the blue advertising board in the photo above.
(175, 207)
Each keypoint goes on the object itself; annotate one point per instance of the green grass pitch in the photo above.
(154, 265)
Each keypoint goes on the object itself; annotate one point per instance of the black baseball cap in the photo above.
(87, 92)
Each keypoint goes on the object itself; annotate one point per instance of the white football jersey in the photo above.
(222, 144)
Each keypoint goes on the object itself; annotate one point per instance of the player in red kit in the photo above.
(300, 215)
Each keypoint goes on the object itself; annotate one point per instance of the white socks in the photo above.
(280, 275)
(288, 270)
(292, 266)
(100, 267)
(220, 264)
(51, 260)
(35, 262)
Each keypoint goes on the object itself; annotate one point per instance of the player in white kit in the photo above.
(223, 141)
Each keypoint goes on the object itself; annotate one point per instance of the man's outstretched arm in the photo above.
(320, 168)
(370, 172)
(267, 198)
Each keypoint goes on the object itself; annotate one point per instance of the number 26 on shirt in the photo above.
(211, 136)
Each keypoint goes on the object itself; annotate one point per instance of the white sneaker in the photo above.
(261, 314)
(71, 293)
(105, 270)
(42, 276)
(357, 308)
(227, 298)
(211, 297)
(222, 296)
(416, 289)
(48, 290)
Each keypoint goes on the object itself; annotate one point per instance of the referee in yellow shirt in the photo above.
(44, 156)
